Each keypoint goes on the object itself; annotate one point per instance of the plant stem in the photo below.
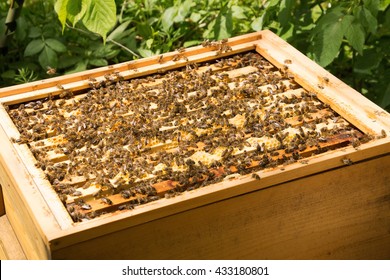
(122, 10)
(123, 47)
(109, 40)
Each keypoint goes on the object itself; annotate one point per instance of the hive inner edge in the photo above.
(123, 143)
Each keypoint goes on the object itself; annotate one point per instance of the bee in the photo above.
(255, 176)
(322, 139)
(336, 119)
(92, 215)
(66, 94)
(51, 71)
(125, 207)
(106, 200)
(118, 76)
(160, 59)
(302, 147)
(60, 87)
(274, 153)
(176, 57)
(76, 193)
(126, 194)
(169, 194)
(86, 206)
(287, 61)
(153, 198)
(70, 208)
(347, 161)
(92, 82)
(206, 43)
(355, 143)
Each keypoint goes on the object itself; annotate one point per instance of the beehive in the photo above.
(242, 148)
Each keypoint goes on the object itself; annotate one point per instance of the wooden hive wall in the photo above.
(35, 207)
(276, 122)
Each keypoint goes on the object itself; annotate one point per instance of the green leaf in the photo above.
(288, 33)
(21, 29)
(130, 41)
(34, 32)
(61, 9)
(195, 17)
(385, 101)
(368, 62)
(48, 31)
(372, 6)
(119, 31)
(356, 36)
(98, 62)
(80, 66)
(346, 21)
(55, 45)
(284, 15)
(183, 11)
(2, 26)
(34, 47)
(191, 43)
(48, 58)
(145, 52)
(332, 16)
(383, 4)
(257, 23)
(100, 17)
(272, 3)
(238, 12)
(76, 10)
(105, 51)
(223, 24)
(66, 61)
(72, 10)
(10, 74)
(367, 19)
(145, 30)
(167, 18)
(328, 42)
(149, 43)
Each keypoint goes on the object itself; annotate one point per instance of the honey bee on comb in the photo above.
(113, 145)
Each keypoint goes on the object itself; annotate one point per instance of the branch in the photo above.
(123, 47)
(109, 40)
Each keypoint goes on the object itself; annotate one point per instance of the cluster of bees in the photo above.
(191, 128)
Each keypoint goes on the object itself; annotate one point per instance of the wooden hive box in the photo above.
(238, 149)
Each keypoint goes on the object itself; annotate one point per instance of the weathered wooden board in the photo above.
(10, 248)
(29, 215)
(339, 214)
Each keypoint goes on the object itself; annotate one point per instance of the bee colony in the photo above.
(152, 152)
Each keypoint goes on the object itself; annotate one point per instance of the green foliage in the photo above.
(350, 38)
(25, 75)
(47, 51)
(98, 16)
